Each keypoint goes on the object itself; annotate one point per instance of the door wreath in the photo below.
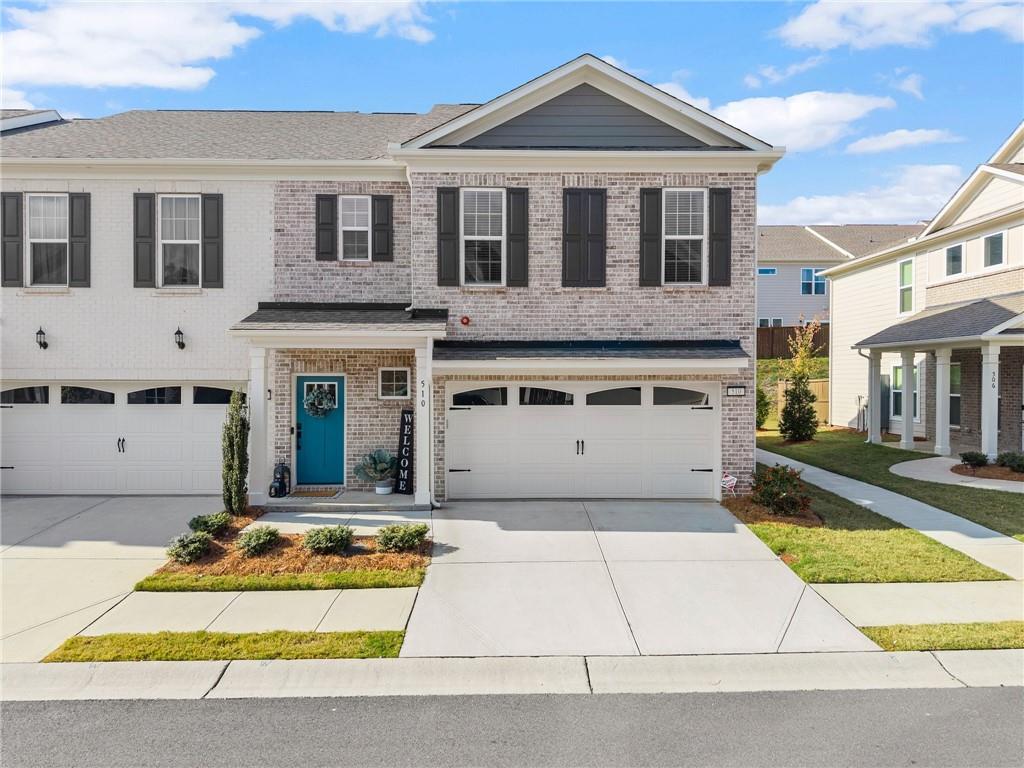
(319, 402)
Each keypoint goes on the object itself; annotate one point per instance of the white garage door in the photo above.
(112, 438)
(582, 440)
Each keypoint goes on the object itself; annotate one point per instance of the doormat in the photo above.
(320, 493)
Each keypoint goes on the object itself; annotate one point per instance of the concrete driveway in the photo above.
(612, 578)
(65, 560)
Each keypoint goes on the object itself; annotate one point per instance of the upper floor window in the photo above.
(355, 227)
(48, 239)
(179, 234)
(993, 250)
(811, 281)
(769, 322)
(684, 227)
(954, 260)
(483, 236)
(906, 286)
(767, 271)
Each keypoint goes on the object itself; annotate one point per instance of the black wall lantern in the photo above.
(41, 338)
(179, 338)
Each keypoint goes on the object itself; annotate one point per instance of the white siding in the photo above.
(1013, 254)
(995, 195)
(779, 295)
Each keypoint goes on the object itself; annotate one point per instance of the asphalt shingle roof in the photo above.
(1017, 168)
(710, 349)
(963, 319)
(862, 239)
(295, 315)
(793, 243)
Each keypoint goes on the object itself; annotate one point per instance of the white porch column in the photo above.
(907, 433)
(990, 400)
(942, 357)
(875, 397)
(424, 428)
(259, 474)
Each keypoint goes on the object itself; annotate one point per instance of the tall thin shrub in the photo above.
(802, 348)
(235, 455)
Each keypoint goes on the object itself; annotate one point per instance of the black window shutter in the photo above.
(326, 227)
(382, 215)
(720, 239)
(145, 240)
(213, 241)
(447, 236)
(78, 239)
(583, 237)
(13, 240)
(650, 237)
(518, 218)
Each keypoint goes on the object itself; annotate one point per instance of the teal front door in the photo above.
(319, 435)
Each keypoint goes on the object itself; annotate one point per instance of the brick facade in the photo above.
(975, 287)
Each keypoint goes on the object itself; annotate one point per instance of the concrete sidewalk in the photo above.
(939, 469)
(1003, 553)
(526, 675)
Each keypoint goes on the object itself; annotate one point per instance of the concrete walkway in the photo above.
(363, 522)
(939, 469)
(1003, 553)
(873, 605)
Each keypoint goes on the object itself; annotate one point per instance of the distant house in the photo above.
(26, 119)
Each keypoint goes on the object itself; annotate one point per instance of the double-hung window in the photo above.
(954, 394)
(48, 239)
(954, 260)
(180, 244)
(483, 236)
(769, 322)
(811, 282)
(355, 227)
(684, 228)
(896, 397)
(906, 286)
(993, 250)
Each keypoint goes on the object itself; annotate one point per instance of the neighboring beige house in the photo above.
(791, 258)
(950, 305)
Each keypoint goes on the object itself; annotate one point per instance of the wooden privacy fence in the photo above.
(774, 342)
(819, 388)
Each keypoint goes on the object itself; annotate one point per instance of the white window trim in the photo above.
(380, 384)
(30, 240)
(957, 395)
(771, 322)
(769, 271)
(160, 242)
(963, 260)
(703, 238)
(900, 287)
(893, 388)
(1002, 264)
(503, 239)
(368, 229)
(814, 277)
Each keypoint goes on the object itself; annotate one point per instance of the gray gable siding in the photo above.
(584, 117)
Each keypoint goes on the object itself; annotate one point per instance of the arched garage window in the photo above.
(25, 396)
(212, 396)
(485, 396)
(620, 396)
(679, 396)
(542, 396)
(155, 396)
(85, 396)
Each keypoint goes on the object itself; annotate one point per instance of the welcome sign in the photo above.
(403, 481)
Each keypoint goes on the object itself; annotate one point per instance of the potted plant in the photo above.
(378, 467)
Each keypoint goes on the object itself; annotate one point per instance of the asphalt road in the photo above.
(958, 727)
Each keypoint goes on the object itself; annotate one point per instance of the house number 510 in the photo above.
(423, 393)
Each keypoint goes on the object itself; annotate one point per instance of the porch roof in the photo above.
(699, 349)
(304, 316)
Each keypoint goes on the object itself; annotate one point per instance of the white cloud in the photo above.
(912, 84)
(861, 25)
(620, 64)
(772, 74)
(901, 139)
(916, 192)
(11, 99)
(675, 88)
(168, 45)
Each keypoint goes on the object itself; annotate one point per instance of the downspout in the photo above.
(867, 423)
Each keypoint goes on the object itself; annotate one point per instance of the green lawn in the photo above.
(948, 637)
(846, 453)
(219, 646)
(355, 579)
(856, 545)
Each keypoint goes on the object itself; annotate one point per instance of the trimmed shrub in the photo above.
(234, 444)
(401, 538)
(329, 540)
(256, 541)
(214, 524)
(763, 407)
(189, 547)
(974, 459)
(798, 421)
(1011, 460)
(781, 490)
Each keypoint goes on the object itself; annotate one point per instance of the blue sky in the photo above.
(885, 107)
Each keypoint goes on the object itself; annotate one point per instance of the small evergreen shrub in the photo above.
(763, 407)
(974, 459)
(189, 547)
(214, 524)
(401, 538)
(329, 540)
(256, 541)
(798, 421)
(235, 455)
(1012, 460)
(781, 490)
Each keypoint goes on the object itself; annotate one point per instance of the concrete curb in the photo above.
(511, 675)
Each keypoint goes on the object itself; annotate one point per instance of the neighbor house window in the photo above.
(993, 250)
(684, 224)
(483, 236)
(954, 260)
(393, 384)
(48, 239)
(811, 282)
(954, 394)
(906, 278)
(179, 240)
(897, 392)
(769, 322)
(355, 227)
(767, 271)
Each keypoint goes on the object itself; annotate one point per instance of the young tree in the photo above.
(802, 347)
(763, 408)
(235, 455)
(798, 420)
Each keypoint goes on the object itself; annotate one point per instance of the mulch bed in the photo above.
(749, 512)
(991, 472)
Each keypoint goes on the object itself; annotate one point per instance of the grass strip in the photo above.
(221, 646)
(356, 579)
(981, 636)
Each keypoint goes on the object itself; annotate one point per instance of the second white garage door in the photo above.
(582, 440)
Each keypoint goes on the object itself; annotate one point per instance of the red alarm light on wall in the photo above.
(464, 320)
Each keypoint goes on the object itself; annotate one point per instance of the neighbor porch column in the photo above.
(259, 475)
(990, 400)
(423, 425)
(875, 397)
(907, 434)
(942, 357)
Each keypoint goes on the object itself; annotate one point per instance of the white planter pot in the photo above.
(385, 487)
